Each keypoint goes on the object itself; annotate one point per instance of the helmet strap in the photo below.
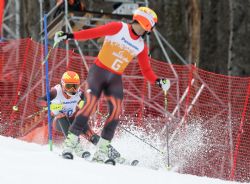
(134, 30)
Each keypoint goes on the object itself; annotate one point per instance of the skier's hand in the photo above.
(60, 115)
(164, 84)
(60, 36)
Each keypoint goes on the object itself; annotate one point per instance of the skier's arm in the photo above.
(145, 67)
(143, 60)
(108, 29)
(42, 101)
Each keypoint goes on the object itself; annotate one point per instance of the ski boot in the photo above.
(69, 145)
(80, 151)
(107, 154)
(116, 156)
(72, 144)
(104, 153)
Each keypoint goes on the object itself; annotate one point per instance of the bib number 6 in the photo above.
(117, 64)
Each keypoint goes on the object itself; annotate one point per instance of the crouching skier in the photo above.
(122, 43)
(66, 100)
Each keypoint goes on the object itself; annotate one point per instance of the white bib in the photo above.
(68, 105)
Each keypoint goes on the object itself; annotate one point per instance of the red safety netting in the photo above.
(218, 104)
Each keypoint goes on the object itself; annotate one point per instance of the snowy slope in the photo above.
(26, 163)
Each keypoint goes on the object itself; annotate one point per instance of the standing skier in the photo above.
(122, 43)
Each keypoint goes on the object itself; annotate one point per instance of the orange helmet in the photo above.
(146, 17)
(70, 82)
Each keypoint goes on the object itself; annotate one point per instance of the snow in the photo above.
(29, 163)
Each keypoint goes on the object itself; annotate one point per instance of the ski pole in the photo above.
(52, 107)
(31, 116)
(60, 124)
(158, 150)
(46, 58)
(15, 107)
(142, 140)
(105, 116)
(166, 107)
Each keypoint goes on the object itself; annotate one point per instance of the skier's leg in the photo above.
(62, 125)
(114, 96)
(112, 121)
(80, 124)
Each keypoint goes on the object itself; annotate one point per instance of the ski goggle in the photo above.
(71, 86)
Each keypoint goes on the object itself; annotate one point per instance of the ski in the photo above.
(70, 156)
(108, 161)
(131, 163)
(134, 162)
(86, 155)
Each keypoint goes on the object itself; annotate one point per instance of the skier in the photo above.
(66, 99)
(122, 43)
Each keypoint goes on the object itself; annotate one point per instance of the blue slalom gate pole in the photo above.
(47, 81)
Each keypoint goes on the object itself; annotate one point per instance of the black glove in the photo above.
(68, 35)
(164, 84)
(60, 36)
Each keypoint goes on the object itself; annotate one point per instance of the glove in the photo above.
(60, 115)
(164, 84)
(60, 36)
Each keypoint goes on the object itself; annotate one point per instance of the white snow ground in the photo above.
(28, 163)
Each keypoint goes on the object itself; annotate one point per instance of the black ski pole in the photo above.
(31, 116)
(135, 135)
(142, 140)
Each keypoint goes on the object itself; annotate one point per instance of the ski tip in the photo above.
(134, 162)
(86, 154)
(68, 156)
(110, 161)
